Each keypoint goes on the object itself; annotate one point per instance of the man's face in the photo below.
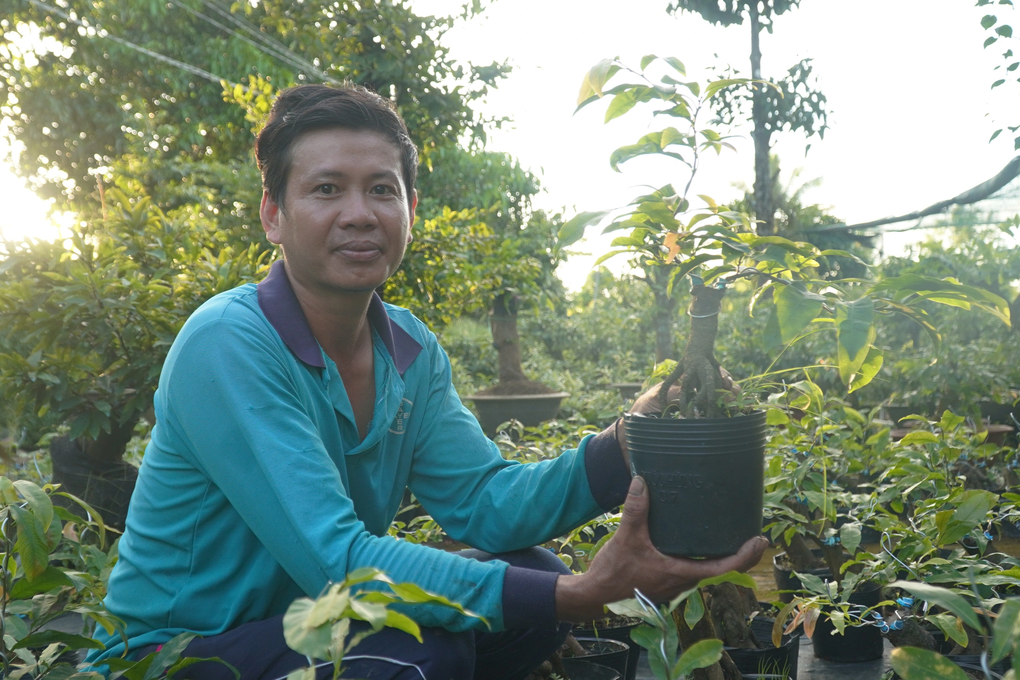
(346, 218)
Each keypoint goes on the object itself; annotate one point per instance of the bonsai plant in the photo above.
(694, 492)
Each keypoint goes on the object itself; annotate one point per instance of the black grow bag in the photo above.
(777, 661)
(705, 479)
(863, 643)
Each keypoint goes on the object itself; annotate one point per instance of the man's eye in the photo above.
(382, 189)
(326, 189)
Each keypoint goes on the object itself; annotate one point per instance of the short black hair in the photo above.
(305, 108)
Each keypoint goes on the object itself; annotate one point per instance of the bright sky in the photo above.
(907, 81)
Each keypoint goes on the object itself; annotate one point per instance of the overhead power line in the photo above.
(103, 33)
(285, 55)
(269, 42)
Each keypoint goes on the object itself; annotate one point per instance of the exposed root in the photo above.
(698, 370)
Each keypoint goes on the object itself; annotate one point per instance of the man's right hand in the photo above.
(629, 561)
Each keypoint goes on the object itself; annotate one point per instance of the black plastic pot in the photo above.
(778, 661)
(605, 652)
(786, 580)
(620, 633)
(855, 644)
(705, 493)
(581, 669)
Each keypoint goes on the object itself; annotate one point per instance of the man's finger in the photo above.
(634, 518)
(749, 555)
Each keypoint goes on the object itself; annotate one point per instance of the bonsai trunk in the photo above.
(727, 608)
(665, 311)
(503, 322)
(94, 471)
(698, 370)
(763, 209)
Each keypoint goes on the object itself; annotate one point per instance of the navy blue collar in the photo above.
(281, 307)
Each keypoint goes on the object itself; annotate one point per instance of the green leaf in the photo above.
(192, 660)
(717, 85)
(920, 437)
(621, 104)
(911, 663)
(776, 417)
(649, 58)
(694, 610)
(796, 307)
(303, 639)
(951, 626)
(50, 578)
(596, 78)
(734, 577)
(969, 513)
(855, 333)
(942, 597)
(850, 536)
(7, 492)
(395, 619)
(701, 654)
(868, 370)
(49, 637)
(650, 638)
(38, 501)
(573, 230)
(168, 654)
(772, 337)
(988, 20)
(677, 65)
(31, 543)
(1006, 632)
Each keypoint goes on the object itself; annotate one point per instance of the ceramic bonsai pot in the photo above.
(628, 390)
(530, 409)
(705, 478)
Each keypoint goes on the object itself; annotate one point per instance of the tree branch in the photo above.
(972, 195)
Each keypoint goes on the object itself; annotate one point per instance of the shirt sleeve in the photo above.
(233, 399)
(497, 505)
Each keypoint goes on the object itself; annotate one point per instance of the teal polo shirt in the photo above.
(256, 487)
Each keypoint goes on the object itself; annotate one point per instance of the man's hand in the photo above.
(629, 561)
(649, 403)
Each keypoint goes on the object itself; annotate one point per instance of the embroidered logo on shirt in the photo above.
(403, 415)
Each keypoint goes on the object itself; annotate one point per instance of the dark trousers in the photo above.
(259, 652)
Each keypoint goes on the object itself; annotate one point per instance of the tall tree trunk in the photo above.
(763, 209)
(503, 322)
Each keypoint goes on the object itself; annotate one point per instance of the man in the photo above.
(291, 415)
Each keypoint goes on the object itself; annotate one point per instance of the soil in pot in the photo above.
(613, 628)
(705, 493)
(856, 644)
(605, 652)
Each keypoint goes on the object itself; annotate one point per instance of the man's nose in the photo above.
(357, 211)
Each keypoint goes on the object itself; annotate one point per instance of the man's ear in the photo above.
(269, 213)
(414, 205)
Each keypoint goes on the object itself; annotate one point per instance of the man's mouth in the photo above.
(359, 250)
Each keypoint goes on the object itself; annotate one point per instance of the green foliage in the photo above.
(115, 100)
(729, 12)
(1001, 35)
(717, 247)
(658, 634)
(86, 327)
(456, 264)
(320, 628)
